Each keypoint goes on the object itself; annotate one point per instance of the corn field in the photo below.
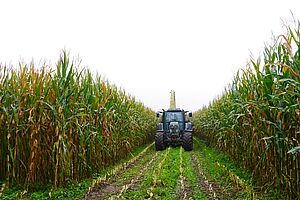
(256, 120)
(64, 124)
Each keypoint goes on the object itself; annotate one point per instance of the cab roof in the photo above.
(175, 110)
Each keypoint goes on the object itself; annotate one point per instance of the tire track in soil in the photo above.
(212, 189)
(185, 191)
(182, 192)
(156, 173)
(239, 185)
(103, 186)
(136, 180)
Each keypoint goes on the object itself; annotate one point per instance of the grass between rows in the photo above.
(168, 177)
(128, 175)
(210, 157)
(140, 192)
(74, 190)
(191, 176)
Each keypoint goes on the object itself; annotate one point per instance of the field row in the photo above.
(176, 174)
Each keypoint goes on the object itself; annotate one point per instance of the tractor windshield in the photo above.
(174, 116)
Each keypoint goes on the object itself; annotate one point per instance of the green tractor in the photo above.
(174, 128)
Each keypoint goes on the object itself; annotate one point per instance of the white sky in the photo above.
(146, 47)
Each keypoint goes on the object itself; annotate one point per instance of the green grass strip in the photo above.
(191, 176)
(236, 182)
(119, 168)
(167, 179)
(131, 174)
(140, 191)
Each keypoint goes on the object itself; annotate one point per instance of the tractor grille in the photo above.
(167, 128)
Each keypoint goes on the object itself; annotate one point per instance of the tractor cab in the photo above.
(174, 128)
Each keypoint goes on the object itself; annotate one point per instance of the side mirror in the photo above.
(157, 114)
(190, 114)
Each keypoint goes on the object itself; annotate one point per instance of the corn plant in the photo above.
(256, 120)
(64, 124)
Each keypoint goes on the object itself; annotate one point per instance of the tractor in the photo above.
(174, 128)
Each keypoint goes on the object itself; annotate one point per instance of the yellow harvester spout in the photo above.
(172, 100)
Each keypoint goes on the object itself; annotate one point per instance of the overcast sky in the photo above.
(147, 47)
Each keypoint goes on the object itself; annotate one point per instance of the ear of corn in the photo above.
(64, 124)
(256, 120)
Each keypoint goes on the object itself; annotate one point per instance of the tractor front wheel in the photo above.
(187, 143)
(159, 141)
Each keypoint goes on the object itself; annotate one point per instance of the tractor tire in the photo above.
(159, 141)
(187, 143)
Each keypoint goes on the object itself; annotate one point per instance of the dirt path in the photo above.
(156, 173)
(104, 186)
(185, 191)
(135, 180)
(212, 189)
